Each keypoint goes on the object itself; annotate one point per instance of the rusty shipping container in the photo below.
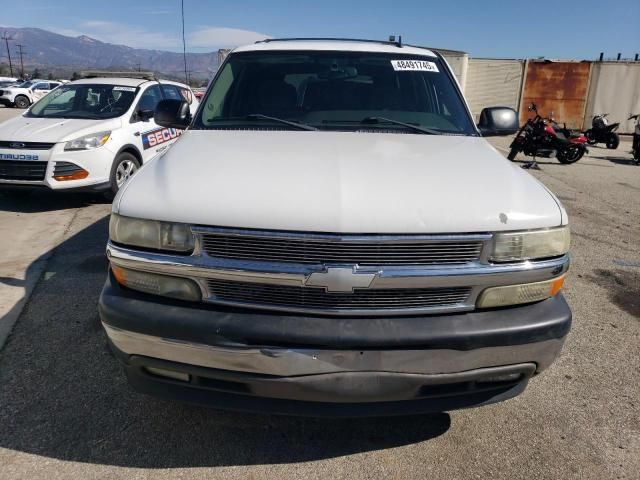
(558, 88)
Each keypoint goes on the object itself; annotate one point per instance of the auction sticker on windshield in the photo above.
(414, 65)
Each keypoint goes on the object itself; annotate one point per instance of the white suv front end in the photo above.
(91, 134)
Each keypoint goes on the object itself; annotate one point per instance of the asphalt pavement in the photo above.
(66, 410)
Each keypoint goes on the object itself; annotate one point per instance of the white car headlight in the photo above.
(529, 245)
(151, 234)
(88, 142)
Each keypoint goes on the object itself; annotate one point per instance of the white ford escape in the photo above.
(89, 134)
(333, 236)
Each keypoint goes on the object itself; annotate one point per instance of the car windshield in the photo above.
(85, 101)
(26, 84)
(335, 90)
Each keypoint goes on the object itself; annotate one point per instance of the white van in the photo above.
(88, 134)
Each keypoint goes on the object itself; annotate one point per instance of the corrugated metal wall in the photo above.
(459, 62)
(614, 89)
(556, 87)
(493, 83)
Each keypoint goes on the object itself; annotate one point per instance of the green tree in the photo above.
(36, 73)
(75, 76)
(50, 76)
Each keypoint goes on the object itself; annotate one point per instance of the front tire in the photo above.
(613, 141)
(591, 139)
(124, 167)
(21, 101)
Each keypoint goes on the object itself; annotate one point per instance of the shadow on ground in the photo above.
(36, 200)
(63, 395)
(617, 159)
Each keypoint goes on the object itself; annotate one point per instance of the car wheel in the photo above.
(124, 167)
(21, 101)
(613, 141)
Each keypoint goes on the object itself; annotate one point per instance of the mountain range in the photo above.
(61, 54)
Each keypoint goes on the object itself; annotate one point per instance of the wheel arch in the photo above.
(132, 149)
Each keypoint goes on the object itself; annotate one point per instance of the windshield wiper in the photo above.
(416, 128)
(259, 116)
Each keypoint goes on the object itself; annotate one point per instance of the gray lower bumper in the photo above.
(287, 362)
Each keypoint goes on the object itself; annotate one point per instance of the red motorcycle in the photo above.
(543, 137)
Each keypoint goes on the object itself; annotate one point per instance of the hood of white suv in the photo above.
(338, 182)
(53, 130)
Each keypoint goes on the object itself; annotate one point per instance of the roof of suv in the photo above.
(125, 81)
(335, 45)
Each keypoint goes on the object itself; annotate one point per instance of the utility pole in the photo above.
(21, 52)
(138, 66)
(6, 42)
(184, 45)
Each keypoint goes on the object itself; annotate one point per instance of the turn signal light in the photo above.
(155, 284)
(78, 175)
(518, 294)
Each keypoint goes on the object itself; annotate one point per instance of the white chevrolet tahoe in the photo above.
(91, 134)
(332, 235)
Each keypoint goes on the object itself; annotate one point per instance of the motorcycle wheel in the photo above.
(512, 154)
(570, 154)
(613, 141)
(591, 139)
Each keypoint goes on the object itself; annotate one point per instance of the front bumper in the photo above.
(313, 365)
(97, 162)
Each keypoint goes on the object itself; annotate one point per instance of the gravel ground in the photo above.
(67, 412)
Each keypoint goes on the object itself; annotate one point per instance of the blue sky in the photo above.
(575, 29)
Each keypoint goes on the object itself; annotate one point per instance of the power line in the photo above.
(184, 45)
(6, 42)
(21, 52)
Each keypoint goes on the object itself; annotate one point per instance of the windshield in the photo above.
(85, 101)
(332, 90)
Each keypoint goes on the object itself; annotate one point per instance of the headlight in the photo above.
(529, 245)
(151, 234)
(88, 142)
(164, 285)
(517, 294)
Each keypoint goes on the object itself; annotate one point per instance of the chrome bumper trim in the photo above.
(477, 276)
(293, 362)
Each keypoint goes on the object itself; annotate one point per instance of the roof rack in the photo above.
(397, 43)
(111, 74)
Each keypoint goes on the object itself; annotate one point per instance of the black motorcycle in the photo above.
(603, 132)
(539, 138)
(636, 139)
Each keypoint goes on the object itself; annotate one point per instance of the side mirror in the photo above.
(145, 115)
(498, 121)
(173, 114)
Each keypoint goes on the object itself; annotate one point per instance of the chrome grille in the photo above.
(341, 249)
(314, 298)
(26, 145)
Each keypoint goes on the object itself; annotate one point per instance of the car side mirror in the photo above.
(496, 121)
(145, 115)
(173, 114)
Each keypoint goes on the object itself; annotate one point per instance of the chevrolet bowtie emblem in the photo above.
(340, 279)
